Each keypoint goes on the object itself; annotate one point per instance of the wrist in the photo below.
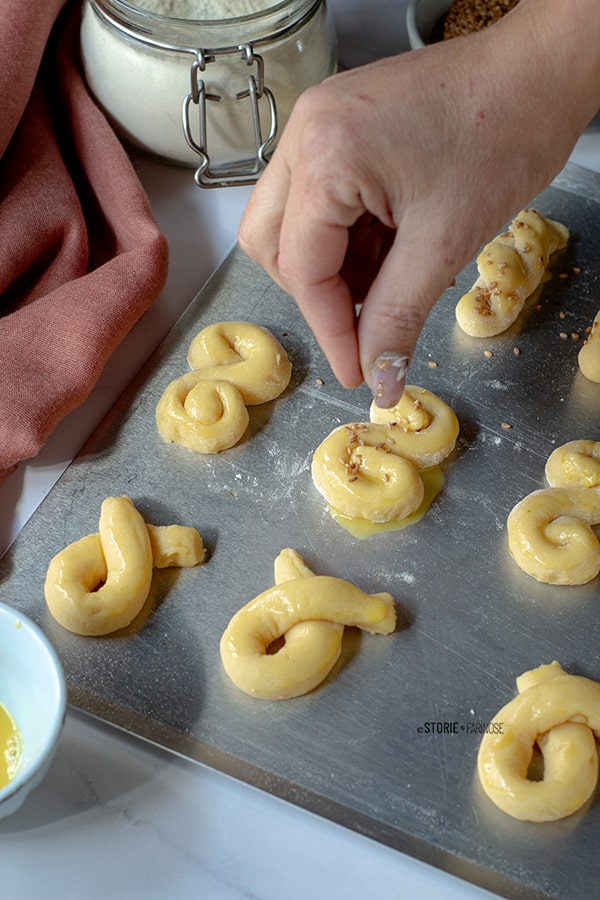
(562, 41)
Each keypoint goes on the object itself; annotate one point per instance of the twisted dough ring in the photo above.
(234, 364)
(310, 612)
(99, 583)
(589, 355)
(550, 532)
(510, 268)
(370, 470)
(550, 535)
(425, 427)
(561, 713)
(575, 464)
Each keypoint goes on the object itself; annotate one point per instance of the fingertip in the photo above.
(387, 378)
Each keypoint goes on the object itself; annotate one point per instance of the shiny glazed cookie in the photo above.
(510, 268)
(371, 470)
(309, 612)
(99, 583)
(561, 714)
(550, 532)
(234, 365)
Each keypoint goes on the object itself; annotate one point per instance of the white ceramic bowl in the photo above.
(33, 691)
(421, 16)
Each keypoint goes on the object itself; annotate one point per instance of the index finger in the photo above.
(312, 248)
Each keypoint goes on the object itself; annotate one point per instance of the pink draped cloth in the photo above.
(81, 255)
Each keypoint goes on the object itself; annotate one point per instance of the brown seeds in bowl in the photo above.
(465, 16)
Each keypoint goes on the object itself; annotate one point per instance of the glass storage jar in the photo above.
(209, 93)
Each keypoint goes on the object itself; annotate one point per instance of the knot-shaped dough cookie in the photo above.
(309, 611)
(561, 714)
(550, 532)
(370, 470)
(510, 267)
(100, 583)
(234, 365)
(589, 355)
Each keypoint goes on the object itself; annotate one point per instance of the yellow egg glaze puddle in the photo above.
(11, 747)
(433, 480)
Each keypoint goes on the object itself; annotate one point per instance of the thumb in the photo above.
(393, 314)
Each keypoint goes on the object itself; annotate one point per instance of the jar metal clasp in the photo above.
(244, 171)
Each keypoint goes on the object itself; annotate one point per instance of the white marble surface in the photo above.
(120, 819)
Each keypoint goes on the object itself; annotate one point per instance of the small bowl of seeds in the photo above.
(33, 703)
(430, 21)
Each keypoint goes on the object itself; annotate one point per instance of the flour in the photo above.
(204, 9)
(141, 85)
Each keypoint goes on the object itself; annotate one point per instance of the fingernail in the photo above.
(388, 377)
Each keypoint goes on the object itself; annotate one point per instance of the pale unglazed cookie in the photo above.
(309, 611)
(99, 583)
(234, 364)
(510, 267)
(589, 355)
(561, 714)
(575, 464)
(425, 428)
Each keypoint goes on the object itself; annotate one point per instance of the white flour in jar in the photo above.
(141, 87)
(204, 9)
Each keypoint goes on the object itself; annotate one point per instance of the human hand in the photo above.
(388, 178)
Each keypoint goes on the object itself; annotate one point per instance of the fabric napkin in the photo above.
(81, 255)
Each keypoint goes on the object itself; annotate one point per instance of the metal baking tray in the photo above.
(358, 749)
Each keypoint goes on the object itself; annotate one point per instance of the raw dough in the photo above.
(425, 428)
(362, 473)
(510, 268)
(99, 583)
(310, 612)
(234, 364)
(370, 470)
(575, 464)
(550, 535)
(561, 713)
(589, 355)
(550, 532)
